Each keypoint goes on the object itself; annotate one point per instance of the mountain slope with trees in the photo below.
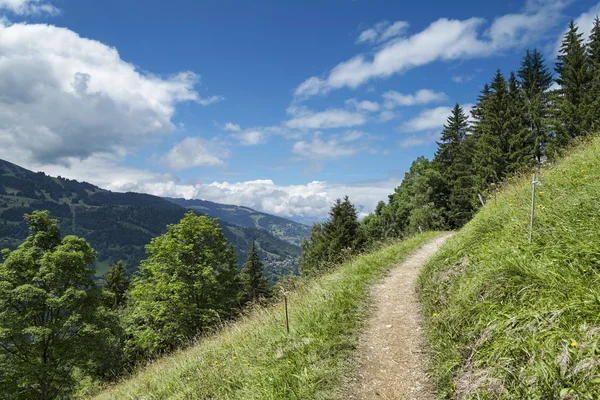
(281, 228)
(117, 225)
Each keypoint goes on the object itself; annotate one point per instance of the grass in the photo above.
(511, 320)
(255, 358)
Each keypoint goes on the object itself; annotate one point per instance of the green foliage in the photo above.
(188, 282)
(330, 243)
(53, 325)
(116, 282)
(571, 119)
(513, 320)
(255, 358)
(255, 284)
(119, 225)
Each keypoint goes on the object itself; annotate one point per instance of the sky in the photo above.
(281, 106)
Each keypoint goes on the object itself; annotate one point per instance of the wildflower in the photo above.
(289, 361)
(435, 315)
(573, 344)
(234, 358)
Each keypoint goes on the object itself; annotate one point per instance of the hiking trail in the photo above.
(392, 359)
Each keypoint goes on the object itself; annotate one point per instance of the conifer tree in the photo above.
(342, 232)
(116, 282)
(491, 152)
(593, 95)
(520, 140)
(255, 284)
(571, 118)
(535, 81)
(454, 167)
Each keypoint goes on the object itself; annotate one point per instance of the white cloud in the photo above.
(394, 99)
(63, 96)
(205, 101)
(29, 7)
(331, 118)
(318, 149)
(462, 78)
(442, 40)
(195, 152)
(420, 140)
(312, 200)
(230, 127)
(584, 23)
(432, 118)
(251, 137)
(382, 31)
(386, 115)
(365, 105)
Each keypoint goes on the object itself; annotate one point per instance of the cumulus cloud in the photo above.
(29, 7)
(195, 152)
(462, 78)
(444, 39)
(382, 31)
(365, 105)
(331, 118)
(319, 149)
(251, 137)
(394, 99)
(63, 96)
(231, 127)
(433, 118)
(387, 115)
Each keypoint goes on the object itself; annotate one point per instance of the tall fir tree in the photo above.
(571, 112)
(491, 150)
(453, 163)
(593, 95)
(255, 284)
(116, 282)
(520, 141)
(536, 79)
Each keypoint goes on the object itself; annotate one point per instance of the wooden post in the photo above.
(533, 182)
(420, 230)
(287, 320)
(480, 199)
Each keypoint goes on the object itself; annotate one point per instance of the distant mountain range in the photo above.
(119, 225)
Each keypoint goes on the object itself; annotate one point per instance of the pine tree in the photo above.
(256, 285)
(491, 150)
(535, 81)
(342, 232)
(521, 146)
(593, 95)
(571, 111)
(116, 282)
(454, 168)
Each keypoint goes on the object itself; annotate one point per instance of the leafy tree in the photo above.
(535, 81)
(314, 252)
(255, 284)
(188, 282)
(116, 282)
(53, 325)
(571, 118)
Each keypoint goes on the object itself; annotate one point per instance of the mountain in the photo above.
(281, 228)
(119, 225)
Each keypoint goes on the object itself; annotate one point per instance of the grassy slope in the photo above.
(508, 319)
(255, 359)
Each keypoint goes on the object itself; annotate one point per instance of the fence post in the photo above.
(533, 183)
(480, 199)
(287, 320)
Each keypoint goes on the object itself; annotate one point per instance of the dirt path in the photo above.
(392, 360)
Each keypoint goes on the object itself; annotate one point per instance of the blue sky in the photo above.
(277, 105)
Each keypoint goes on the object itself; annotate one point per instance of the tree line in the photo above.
(516, 125)
(59, 329)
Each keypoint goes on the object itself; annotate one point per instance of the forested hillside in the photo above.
(281, 228)
(117, 225)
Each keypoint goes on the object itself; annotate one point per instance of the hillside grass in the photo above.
(255, 358)
(511, 320)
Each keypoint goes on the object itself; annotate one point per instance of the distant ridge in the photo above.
(119, 225)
